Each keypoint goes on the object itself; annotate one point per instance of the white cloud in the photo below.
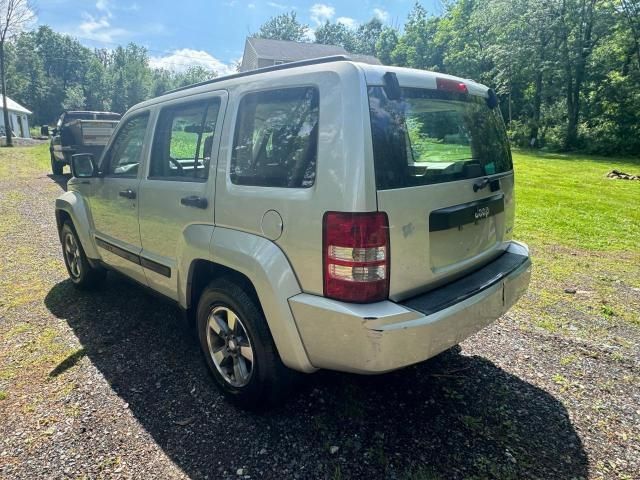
(347, 22)
(106, 7)
(279, 6)
(99, 29)
(103, 6)
(180, 60)
(321, 12)
(251, 6)
(381, 14)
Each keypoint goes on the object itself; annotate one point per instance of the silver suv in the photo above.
(319, 214)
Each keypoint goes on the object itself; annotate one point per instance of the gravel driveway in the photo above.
(111, 385)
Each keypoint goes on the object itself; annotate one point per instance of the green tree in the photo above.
(96, 86)
(195, 74)
(130, 75)
(418, 47)
(161, 81)
(74, 99)
(284, 27)
(367, 36)
(336, 34)
(14, 16)
(25, 78)
(386, 44)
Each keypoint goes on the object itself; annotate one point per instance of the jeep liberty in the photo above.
(322, 214)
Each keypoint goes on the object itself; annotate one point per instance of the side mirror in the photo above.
(44, 130)
(54, 132)
(82, 166)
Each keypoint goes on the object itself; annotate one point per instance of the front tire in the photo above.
(83, 275)
(56, 166)
(238, 347)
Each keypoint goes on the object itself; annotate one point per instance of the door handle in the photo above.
(128, 193)
(194, 201)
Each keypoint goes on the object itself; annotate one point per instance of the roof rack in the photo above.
(282, 66)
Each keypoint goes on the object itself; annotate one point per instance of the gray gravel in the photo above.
(111, 385)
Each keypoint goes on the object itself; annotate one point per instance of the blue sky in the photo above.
(201, 32)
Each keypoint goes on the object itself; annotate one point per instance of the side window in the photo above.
(276, 138)
(124, 156)
(183, 141)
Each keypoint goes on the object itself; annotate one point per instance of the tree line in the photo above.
(49, 72)
(567, 72)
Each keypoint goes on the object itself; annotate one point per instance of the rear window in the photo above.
(107, 116)
(276, 139)
(432, 136)
(71, 116)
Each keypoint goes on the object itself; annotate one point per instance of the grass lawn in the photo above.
(567, 200)
(23, 162)
(584, 232)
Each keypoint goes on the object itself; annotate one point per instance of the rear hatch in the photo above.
(444, 177)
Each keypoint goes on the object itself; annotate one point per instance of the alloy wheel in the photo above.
(72, 255)
(229, 346)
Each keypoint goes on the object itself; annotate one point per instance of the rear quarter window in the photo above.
(276, 138)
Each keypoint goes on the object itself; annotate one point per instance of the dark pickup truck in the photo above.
(80, 132)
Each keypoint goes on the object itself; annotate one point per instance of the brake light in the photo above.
(449, 85)
(356, 256)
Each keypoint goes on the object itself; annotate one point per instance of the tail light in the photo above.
(356, 256)
(448, 85)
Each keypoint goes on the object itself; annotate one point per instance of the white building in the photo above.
(18, 118)
(263, 52)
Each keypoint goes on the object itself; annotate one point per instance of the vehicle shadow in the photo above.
(61, 180)
(455, 416)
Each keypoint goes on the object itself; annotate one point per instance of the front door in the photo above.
(176, 195)
(114, 203)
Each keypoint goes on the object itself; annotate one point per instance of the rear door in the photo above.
(444, 177)
(177, 191)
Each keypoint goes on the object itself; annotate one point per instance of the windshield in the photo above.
(431, 136)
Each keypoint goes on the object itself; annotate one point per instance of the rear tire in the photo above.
(56, 166)
(238, 347)
(83, 275)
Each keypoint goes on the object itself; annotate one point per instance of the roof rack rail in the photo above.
(282, 66)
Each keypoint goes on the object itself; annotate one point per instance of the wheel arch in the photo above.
(258, 265)
(71, 206)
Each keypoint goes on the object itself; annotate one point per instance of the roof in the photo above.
(292, 51)
(14, 106)
(257, 71)
(370, 59)
(374, 75)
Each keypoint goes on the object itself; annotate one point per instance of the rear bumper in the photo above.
(384, 336)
